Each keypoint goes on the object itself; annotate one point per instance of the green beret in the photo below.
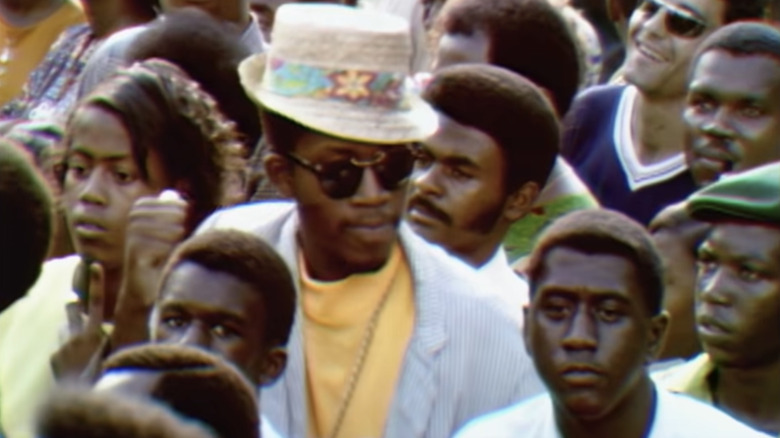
(752, 195)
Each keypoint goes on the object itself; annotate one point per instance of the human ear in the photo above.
(275, 362)
(278, 170)
(520, 202)
(659, 325)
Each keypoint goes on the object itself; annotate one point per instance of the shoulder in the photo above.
(531, 419)
(681, 416)
(689, 377)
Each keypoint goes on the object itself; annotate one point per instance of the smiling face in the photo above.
(738, 294)
(458, 195)
(354, 234)
(102, 183)
(657, 61)
(589, 332)
(214, 311)
(732, 114)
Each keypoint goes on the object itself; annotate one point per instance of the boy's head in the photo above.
(26, 222)
(738, 282)
(148, 128)
(228, 292)
(733, 104)
(482, 170)
(191, 382)
(528, 37)
(340, 128)
(595, 316)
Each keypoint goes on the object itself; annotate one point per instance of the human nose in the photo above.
(371, 191)
(718, 125)
(425, 181)
(654, 22)
(196, 335)
(93, 189)
(713, 287)
(581, 333)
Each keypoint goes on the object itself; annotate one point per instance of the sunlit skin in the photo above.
(732, 114)
(460, 49)
(737, 312)
(657, 62)
(365, 224)
(590, 335)
(458, 195)
(214, 311)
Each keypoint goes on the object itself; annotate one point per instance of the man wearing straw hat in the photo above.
(393, 337)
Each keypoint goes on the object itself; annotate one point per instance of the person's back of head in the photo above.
(72, 413)
(193, 383)
(528, 37)
(25, 222)
(209, 52)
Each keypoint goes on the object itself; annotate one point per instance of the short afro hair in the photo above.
(209, 52)
(26, 222)
(79, 413)
(528, 37)
(742, 39)
(196, 385)
(508, 108)
(601, 231)
(251, 260)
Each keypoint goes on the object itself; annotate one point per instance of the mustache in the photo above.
(430, 208)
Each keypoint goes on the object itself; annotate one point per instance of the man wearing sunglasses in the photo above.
(733, 106)
(626, 142)
(393, 337)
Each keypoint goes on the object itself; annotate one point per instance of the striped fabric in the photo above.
(465, 357)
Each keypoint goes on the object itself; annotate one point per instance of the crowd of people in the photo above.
(389, 218)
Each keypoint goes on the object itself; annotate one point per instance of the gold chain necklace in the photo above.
(360, 361)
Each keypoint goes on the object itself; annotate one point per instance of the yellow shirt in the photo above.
(336, 316)
(22, 49)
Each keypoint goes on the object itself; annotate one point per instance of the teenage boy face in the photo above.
(349, 234)
(215, 311)
(102, 183)
(457, 195)
(732, 114)
(738, 296)
(589, 331)
(657, 60)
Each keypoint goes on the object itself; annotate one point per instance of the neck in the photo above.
(323, 265)
(658, 128)
(631, 418)
(479, 256)
(105, 18)
(23, 13)
(752, 395)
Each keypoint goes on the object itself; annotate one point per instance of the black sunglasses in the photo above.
(678, 21)
(341, 178)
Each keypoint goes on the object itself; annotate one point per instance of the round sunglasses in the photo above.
(678, 21)
(340, 179)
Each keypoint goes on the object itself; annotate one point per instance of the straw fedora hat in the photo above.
(341, 71)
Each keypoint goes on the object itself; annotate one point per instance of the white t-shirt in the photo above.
(677, 416)
(501, 282)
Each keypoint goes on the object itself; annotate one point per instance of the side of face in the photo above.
(732, 114)
(657, 61)
(589, 332)
(102, 183)
(217, 312)
(738, 294)
(457, 196)
(356, 233)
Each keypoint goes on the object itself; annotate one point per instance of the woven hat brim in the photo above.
(342, 119)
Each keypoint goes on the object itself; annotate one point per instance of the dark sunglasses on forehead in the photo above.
(678, 21)
(341, 178)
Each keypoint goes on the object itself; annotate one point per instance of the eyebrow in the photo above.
(181, 307)
(451, 160)
(80, 150)
(690, 9)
